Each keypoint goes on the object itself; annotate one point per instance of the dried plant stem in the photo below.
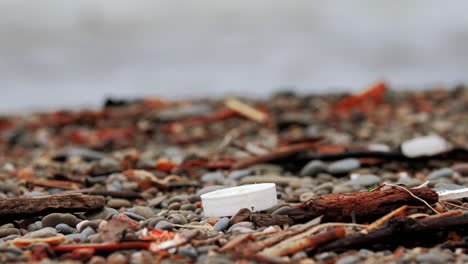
(414, 196)
(384, 218)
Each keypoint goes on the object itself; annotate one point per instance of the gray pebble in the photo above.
(178, 198)
(9, 231)
(213, 176)
(349, 260)
(104, 213)
(164, 225)
(156, 201)
(205, 249)
(177, 219)
(188, 207)
(118, 203)
(366, 252)
(359, 180)
(87, 154)
(187, 252)
(87, 232)
(328, 186)
(134, 216)
(44, 232)
(154, 220)
(144, 211)
(174, 206)
(242, 227)
(433, 258)
(58, 218)
(192, 217)
(447, 186)
(211, 188)
(65, 229)
(34, 226)
(76, 237)
(461, 168)
(15, 250)
(239, 174)
(130, 186)
(9, 225)
(343, 188)
(10, 237)
(281, 211)
(343, 166)
(194, 198)
(441, 173)
(312, 168)
(86, 223)
(222, 224)
(35, 194)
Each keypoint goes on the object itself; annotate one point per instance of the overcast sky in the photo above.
(74, 53)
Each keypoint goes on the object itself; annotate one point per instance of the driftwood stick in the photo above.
(270, 220)
(103, 192)
(287, 248)
(366, 206)
(24, 207)
(276, 238)
(278, 153)
(458, 153)
(399, 230)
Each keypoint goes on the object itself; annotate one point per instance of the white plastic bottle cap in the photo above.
(227, 202)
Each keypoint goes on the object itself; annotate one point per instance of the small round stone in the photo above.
(58, 218)
(86, 223)
(441, 173)
(360, 180)
(44, 232)
(349, 260)
(155, 220)
(87, 232)
(461, 168)
(97, 260)
(312, 168)
(76, 237)
(213, 176)
(343, 166)
(117, 258)
(188, 207)
(177, 219)
(222, 224)
(164, 225)
(64, 229)
(104, 214)
(187, 252)
(34, 226)
(4, 232)
(242, 227)
(174, 206)
(144, 211)
(134, 216)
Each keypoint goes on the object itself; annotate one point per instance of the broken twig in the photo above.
(366, 206)
(24, 207)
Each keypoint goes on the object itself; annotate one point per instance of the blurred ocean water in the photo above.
(75, 53)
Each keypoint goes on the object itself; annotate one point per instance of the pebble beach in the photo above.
(124, 183)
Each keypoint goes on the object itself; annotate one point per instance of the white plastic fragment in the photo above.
(425, 146)
(227, 202)
(452, 194)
